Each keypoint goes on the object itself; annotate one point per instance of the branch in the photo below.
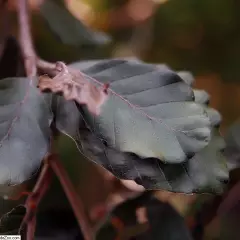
(31, 228)
(25, 38)
(72, 196)
(34, 199)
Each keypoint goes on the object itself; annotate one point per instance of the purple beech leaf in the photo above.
(144, 104)
(149, 130)
(25, 118)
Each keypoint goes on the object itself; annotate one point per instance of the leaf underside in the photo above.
(26, 116)
(151, 130)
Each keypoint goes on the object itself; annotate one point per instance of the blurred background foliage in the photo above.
(198, 36)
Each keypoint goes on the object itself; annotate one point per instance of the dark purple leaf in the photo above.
(25, 118)
(150, 130)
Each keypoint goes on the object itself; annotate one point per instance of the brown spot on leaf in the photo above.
(74, 86)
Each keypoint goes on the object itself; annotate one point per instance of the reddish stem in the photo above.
(31, 228)
(34, 199)
(25, 38)
(72, 196)
(47, 67)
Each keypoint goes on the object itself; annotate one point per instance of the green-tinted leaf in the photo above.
(25, 118)
(137, 115)
(157, 150)
(208, 167)
(211, 158)
(70, 30)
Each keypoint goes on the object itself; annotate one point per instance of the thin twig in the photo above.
(25, 38)
(72, 196)
(34, 199)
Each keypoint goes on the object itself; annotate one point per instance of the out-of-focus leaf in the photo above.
(11, 64)
(232, 152)
(70, 30)
(163, 222)
(143, 150)
(25, 117)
